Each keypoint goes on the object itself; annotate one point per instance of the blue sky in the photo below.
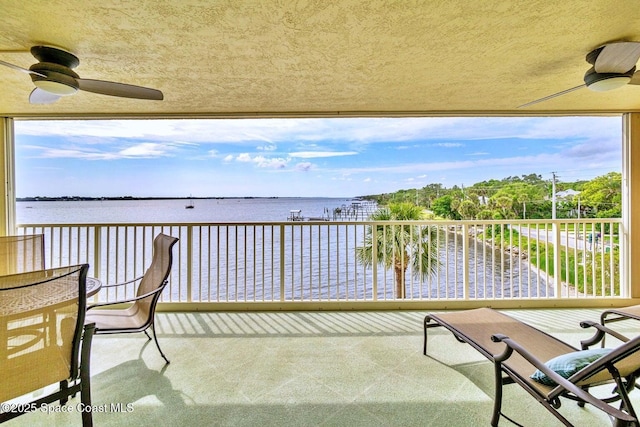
(341, 157)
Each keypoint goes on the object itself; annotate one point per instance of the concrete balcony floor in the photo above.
(310, 369)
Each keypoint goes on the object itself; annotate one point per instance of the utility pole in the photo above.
(553, 196)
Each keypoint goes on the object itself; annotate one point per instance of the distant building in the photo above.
(567, 194)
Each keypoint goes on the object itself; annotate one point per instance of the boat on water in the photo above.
(358, 210)
(295, 215)
(190, 205)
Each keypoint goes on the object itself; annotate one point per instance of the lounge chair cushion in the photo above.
(568, 364)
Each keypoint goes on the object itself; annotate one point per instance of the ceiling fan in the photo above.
(53, 77)
(613, 66)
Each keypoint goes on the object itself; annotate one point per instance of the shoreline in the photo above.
(121, 198)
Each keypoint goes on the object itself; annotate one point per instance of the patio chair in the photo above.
(19, 254)
(140, 314)
(521, 353)
(61, 352)
(618, 314)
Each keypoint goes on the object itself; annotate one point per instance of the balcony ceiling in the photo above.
(317, 57)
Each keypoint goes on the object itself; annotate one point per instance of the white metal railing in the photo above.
(327, 261)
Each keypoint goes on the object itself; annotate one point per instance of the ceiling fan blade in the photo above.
(119, 89)
(617, 57)
(24, 70)
(635, 79)
(39, 96)
(552, 96)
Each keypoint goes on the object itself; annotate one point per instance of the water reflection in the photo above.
(330, 272)
(492, 272)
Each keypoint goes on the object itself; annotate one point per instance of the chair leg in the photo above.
(625, 402)
(497, 400)
(153, 329)
(85, 376)
(147, 334)
(64, 385)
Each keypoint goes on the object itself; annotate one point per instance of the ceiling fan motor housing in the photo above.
(601, 82)
(55, 55)
(60, 79)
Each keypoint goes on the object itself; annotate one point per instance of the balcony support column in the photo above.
(630, 235)
(7, 190)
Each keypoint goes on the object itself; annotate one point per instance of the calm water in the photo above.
(171, 211)
(499, 277)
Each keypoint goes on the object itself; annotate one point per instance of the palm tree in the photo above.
(399, 245)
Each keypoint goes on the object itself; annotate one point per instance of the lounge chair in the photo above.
(618, 314)
(140, 314)
(519, 351)
(60, 352)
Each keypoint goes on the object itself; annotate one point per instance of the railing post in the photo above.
(97, 255)
(282, 266)
(465, 260)
(374, 264)
(189, 261)
(557, 259)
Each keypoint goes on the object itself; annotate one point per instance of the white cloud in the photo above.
(273, 163)
(262, 161)
(448, 144)
(304, 166)
(317, 154)
(244, 157)
(146, 149)
(441, 130)
(62, 153)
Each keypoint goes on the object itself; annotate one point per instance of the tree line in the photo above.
(516, 197)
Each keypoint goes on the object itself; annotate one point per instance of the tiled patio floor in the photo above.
(309, 369)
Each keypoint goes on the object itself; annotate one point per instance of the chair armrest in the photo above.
(600, 334)
(563, 383)
(134, 299)
(122, 283)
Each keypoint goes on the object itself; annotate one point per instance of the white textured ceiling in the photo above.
(320, 57)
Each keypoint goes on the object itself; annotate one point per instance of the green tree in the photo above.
(431, 192)
(467, 209)
(485, 214)
(442, 206)
(398, 246)
(529, 194)
(604, 195)
(503, 204)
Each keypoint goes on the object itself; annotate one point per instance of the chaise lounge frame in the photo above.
(517, 350)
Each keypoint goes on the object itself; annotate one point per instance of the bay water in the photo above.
(242, 210)
(173, 210)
